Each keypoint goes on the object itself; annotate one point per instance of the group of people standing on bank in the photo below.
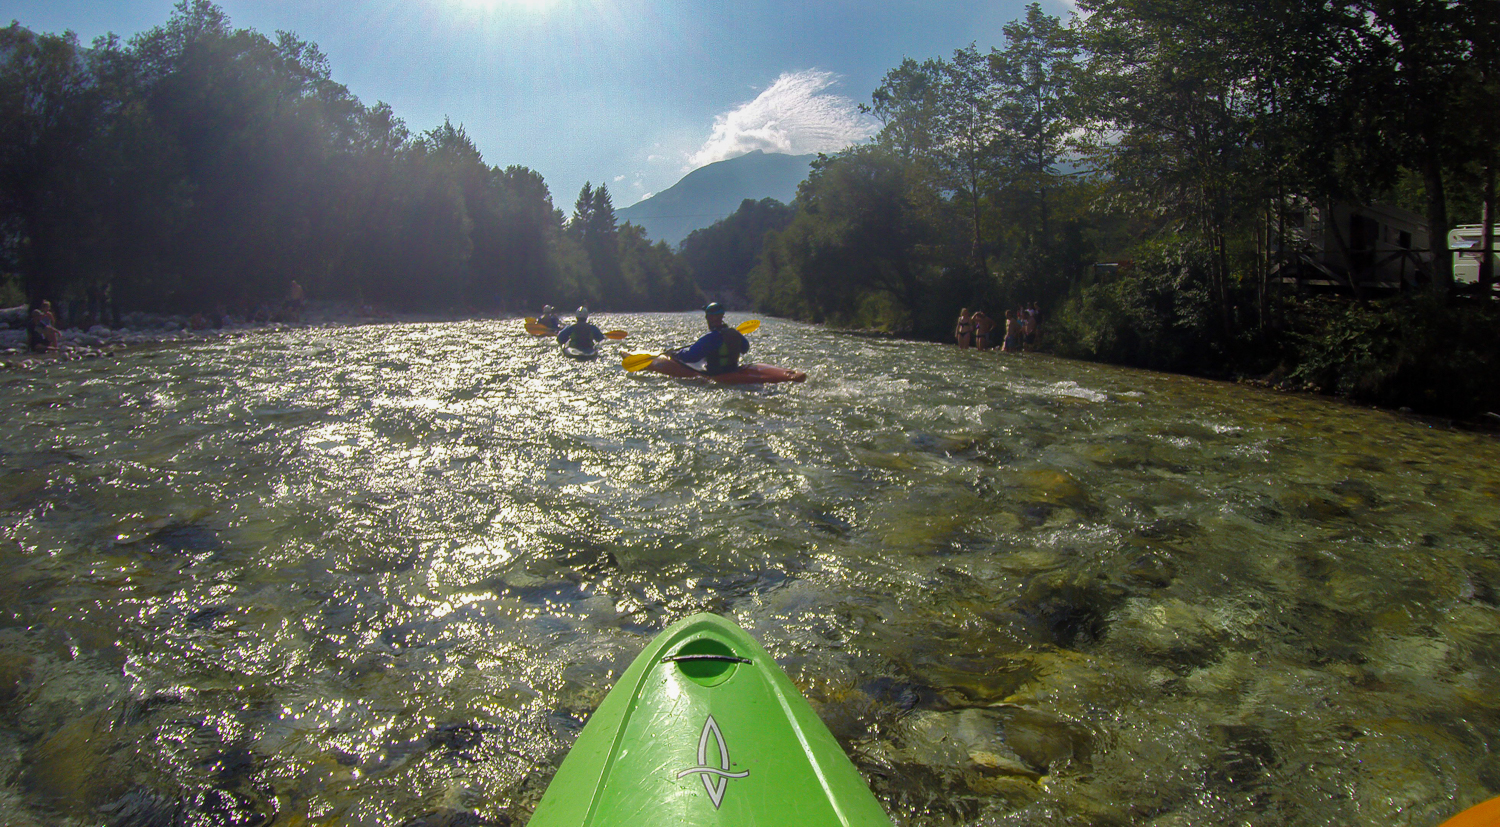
(979, 329)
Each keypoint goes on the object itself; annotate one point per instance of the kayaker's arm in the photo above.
(694, 352)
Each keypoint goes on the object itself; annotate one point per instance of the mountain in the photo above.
(714, 192)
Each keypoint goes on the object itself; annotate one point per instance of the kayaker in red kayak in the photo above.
(719, 349)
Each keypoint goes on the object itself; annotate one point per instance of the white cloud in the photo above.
(796, 115)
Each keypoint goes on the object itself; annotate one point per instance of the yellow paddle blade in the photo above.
(748, 326)
(539, 330)
(615, 334)
(637, 361)
(530, 321)
(1486, 814)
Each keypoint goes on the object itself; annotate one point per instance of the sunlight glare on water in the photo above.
(367, 575)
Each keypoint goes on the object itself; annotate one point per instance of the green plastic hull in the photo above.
(705, 729)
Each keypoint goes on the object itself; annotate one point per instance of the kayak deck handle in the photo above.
(725, 658)
(706, 661)
(707, 668)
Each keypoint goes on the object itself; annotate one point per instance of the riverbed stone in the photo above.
(1052, 487)
(1044, 740)
(75, 756)
(1068, 681)
(962, 740)
(1068, 608)
(1402, 772)
(1173, 628)
(1229, 676)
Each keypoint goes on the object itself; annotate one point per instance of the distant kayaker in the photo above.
(549, 318)
(719, 349)
(580, 335)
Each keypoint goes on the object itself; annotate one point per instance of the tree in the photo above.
(51, 116)
(945, 113)
(863, 237)
(1035, 76)
(720, 257)
(593, 225)
(1170, 102)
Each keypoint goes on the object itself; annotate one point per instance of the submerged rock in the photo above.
(1176, 630)
(143, 807)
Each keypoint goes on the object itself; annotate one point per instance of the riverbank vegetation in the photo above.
(1130, 171)
(1134, 173)
(197, 164)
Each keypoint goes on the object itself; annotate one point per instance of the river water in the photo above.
(380, 575)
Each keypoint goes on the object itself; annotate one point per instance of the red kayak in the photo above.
(746, 375)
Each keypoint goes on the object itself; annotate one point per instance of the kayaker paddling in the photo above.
(672, 362)
(549, 318)
(581, 336)
(717, 351)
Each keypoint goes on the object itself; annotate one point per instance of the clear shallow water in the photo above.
(381, 575)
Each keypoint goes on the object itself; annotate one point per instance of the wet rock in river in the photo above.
(1044, 740)
(143, 807)
(1310, 505)
(1176, 630)
(967, 739)
(1246, 755)
(1067, 608)
(1404, 774)
(1153, 568)
(1226, 678)
(75, 756)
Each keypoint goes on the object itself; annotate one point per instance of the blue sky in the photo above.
(629, 93)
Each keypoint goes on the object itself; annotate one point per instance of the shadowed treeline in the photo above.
(197, 164)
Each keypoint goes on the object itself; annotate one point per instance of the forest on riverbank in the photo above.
(198, 165)
(1177, 141)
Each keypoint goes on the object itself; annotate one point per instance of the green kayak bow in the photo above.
(705, 729)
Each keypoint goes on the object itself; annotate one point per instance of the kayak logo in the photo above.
(715, 779)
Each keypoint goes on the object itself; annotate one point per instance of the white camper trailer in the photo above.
(1355, 246)
(1467, 243)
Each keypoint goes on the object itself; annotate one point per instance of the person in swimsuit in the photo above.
(963, 332)
(984, 327)
(1012, 343)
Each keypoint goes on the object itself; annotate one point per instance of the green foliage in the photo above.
(1420, 353)
(1160, 315)
(720, 257)
(12, 293)
(201, 164)
(866, 224)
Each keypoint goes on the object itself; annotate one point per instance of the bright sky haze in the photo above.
(628, 93)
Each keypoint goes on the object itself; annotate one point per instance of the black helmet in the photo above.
(714, 309)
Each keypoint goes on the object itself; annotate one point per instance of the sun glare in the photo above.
(507, 5)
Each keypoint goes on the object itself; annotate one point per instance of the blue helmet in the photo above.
(714, 309)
